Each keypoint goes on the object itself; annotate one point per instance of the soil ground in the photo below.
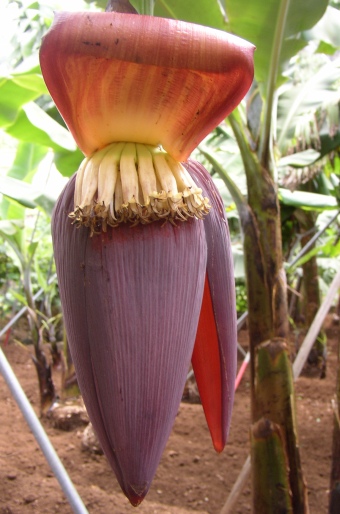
(191, 476)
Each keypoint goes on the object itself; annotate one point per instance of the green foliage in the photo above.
(241, 296)
(15, 92)
(306, 200)
(207, 12)
(327, 31)
(9, 275)
(100, 4)
(28, 248)
(25, 111)
(315, 90)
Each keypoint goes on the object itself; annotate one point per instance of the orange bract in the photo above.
(122, 77)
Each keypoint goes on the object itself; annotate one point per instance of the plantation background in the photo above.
(191, 477)
(288, 125)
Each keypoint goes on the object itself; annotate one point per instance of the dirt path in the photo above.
(191, 476)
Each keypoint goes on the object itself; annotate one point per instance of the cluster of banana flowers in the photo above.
(141, 241)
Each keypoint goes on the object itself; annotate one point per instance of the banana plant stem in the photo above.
(310, 243)
(24, 309)
(265, 141)
(299, 362)
(148, 7)
(41, 437)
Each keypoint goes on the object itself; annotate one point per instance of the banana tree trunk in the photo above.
(311, 291)
(43, 368)
(274, 448)
(272, 387)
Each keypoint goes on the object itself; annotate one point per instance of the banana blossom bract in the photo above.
(147, 284)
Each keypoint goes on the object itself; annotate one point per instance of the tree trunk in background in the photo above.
(70, 386)
(311, 291)
(43, 368)
(274, 433)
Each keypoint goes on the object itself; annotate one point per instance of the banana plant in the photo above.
(307, 120)
(29, 117)
(14, 232)
(19, 197)
(277, 41)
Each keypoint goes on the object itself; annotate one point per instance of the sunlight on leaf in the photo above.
(308, 201)
(207, 12)
(58, 134)
(27, 159)
(300, 159)
(10, 227)
(25, 194)
(35, 126)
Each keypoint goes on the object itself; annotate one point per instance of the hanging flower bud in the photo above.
(145, 270)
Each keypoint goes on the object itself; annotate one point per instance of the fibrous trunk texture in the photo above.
(268, 331)
(311, 291)
(269, 470)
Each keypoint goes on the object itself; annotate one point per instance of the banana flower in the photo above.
(145, 270)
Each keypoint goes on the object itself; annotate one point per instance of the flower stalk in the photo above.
(148, 7)
(123, 6)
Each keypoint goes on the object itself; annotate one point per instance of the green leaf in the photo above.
(68, 162)
(308, 201)
(27, 159)
(101, 4)
(298, 103)
(16, 91)
(10, 209)
(10, 227)
(12, 231)
(30, 81)
(233, 187)
(258, 22)
(46, 202)
(21, 298)
(25, 194)
(327, 30)
(300, 159)
(35, 126)
(31, 249)
(204, 12)
(19, 191)
(329, 142)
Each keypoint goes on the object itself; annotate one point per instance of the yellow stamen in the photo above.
(135, 183)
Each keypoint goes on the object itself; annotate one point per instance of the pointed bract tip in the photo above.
(136, 494)
(218, 445)
(215, 353)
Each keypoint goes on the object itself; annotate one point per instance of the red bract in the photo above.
(214, 357)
